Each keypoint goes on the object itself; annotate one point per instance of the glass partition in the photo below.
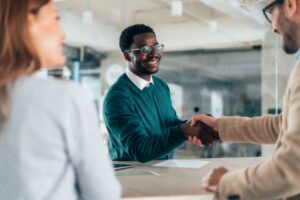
(224, 82)
(221, 57)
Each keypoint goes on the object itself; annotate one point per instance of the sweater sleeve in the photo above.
(274, 178)
(127, 129)
(93, 168)
(250, 130)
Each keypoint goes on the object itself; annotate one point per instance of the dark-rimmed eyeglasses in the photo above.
(269, 9)
(146, 50)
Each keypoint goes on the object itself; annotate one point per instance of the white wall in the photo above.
(98, 35)
(176, 36)
(189, 36)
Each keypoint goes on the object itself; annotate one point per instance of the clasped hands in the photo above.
(203, 130)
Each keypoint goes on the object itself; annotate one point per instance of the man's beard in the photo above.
(289, 44)
(142, 71)
(147, 72)
(289, 31)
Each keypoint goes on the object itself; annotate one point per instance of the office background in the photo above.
(221, 57)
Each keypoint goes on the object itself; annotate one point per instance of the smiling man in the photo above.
(138, 112)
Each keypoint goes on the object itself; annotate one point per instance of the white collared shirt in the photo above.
(138, 81)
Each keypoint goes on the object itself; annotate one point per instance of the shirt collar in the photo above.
(138, 81)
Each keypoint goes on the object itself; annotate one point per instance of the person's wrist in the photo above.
(216, 126)
(177, 133)
(181, 127)
(216, 129)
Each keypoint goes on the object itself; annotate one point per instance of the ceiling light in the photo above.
(213, 26)
(177, 8)
(87, 17)
(235, 3)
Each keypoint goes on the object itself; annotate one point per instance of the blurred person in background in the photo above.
(278, 176)
(50, 142)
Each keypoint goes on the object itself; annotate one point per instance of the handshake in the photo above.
(203, 128)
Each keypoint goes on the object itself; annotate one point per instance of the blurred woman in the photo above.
(50, 142)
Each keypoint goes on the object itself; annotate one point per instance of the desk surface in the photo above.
(144, 180)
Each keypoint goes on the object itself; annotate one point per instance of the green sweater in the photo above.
(142, 125)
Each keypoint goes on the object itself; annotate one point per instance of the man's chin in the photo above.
(290, 46)
(152, 72)
(290, 50)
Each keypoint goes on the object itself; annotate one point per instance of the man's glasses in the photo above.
(146, 50)
(269, 9)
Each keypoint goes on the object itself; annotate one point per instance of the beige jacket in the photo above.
(279, 176)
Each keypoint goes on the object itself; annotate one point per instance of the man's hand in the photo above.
(190, 131)
(208, 130)
(211, 181)
(208, 120)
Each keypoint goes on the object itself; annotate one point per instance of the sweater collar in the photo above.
(138, 81)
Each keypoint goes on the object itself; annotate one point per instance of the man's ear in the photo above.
(127, 56)
(293, 7)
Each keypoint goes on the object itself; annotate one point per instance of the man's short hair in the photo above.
(126, 38)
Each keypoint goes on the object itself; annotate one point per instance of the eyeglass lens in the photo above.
(148, 49)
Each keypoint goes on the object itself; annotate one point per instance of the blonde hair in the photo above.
(17, 54)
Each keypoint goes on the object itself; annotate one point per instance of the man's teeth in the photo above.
(152, 62)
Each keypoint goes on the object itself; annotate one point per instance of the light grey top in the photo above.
(51, 147)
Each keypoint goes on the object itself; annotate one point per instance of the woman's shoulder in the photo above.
(49, 90)
(50, 83)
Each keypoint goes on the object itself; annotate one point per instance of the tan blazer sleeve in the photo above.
(260, 130)
(279, 176)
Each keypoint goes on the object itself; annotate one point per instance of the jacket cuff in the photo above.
(231, 185)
